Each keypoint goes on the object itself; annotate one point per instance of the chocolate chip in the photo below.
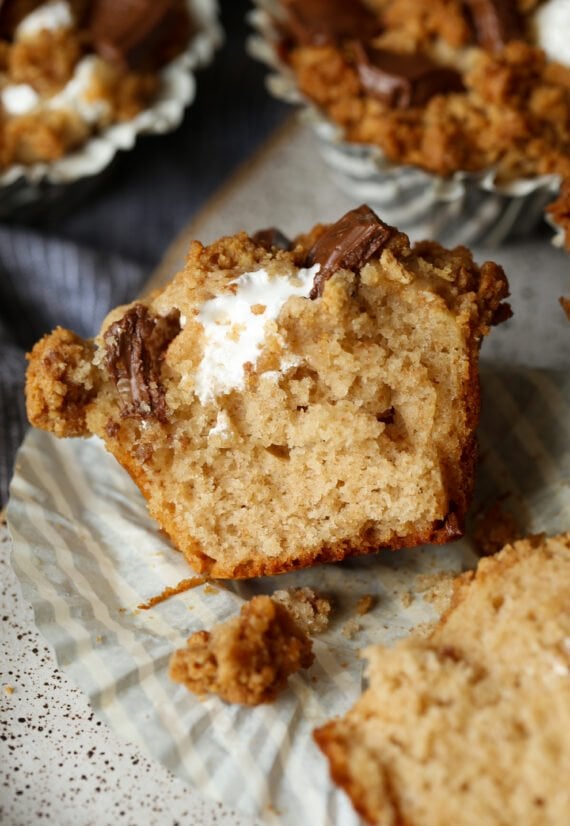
(272, 238)
(136, 345)
(348, 244)
(496, 22)
(402, 80)
(320, 22)
(387, 416)
(449, 528)
(137, 33)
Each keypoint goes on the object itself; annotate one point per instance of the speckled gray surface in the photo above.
(58, 763)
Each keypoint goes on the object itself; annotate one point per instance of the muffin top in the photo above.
(445, 86)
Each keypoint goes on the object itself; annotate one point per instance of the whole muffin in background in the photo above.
(281, 404)
(71, 68)
(444, 86)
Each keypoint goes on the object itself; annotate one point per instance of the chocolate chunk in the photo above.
(140, 34)
(320, 22)
(348, 244)
(402, 80)
(136, 345)
(272, 238)
(496, 22)
(447, 529)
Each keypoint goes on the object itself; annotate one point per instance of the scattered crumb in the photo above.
(309, 609)
(350, 628)
(210, 589)
(495, 528)
(406, 599)
(9, 689)
(436, 588)
(365, 604)
(183, 585)
(99, 639)
(424, 629)
(247, 659)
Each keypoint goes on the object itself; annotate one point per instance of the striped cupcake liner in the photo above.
(466, 208)
(30, 192)
(87, 554)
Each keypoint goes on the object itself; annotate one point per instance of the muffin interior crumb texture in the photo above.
(247, 659)
(269, 429)
(470, 725)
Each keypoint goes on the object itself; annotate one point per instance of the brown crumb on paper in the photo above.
(350, 628)
(9, 689)
(183, 585)
(309, 609)
(436, 589)
(247, 659)
(406, 599)
(495, 528)
(210, 589)
(365, 604)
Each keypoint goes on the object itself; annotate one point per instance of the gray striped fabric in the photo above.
(87, 554)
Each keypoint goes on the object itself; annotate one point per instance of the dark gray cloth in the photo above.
(74, 267)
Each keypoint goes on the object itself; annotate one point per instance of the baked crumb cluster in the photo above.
(70, 68)
(247, 659)
(470, 726)
(445, 85)
(280, 407)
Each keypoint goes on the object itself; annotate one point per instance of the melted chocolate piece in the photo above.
(402, 80)
(496, 22)
(348, 244)
(272, 238)
(448, 529)
(140, 34)
(320, 22)
(136, 345)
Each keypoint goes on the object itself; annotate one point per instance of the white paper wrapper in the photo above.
(87, 554)
(466, 208)
(23, 187)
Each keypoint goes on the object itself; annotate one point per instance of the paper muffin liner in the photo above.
(29, 190)
(87, 554)
(465, 208)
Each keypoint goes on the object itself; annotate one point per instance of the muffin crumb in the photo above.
(247, 659)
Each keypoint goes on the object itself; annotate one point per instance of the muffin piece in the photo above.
(471, 726)
(279, 408)
(247, 659)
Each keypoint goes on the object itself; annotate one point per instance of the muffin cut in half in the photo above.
(281, 404)
(471, 726)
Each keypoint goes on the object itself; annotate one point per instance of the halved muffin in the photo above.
(281, 404)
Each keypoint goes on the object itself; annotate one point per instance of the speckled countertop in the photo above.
(58, 763)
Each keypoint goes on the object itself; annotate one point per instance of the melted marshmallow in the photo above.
(73, 95)
(552, 30)
(235, 324)
(19, 99)
(50, 16)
